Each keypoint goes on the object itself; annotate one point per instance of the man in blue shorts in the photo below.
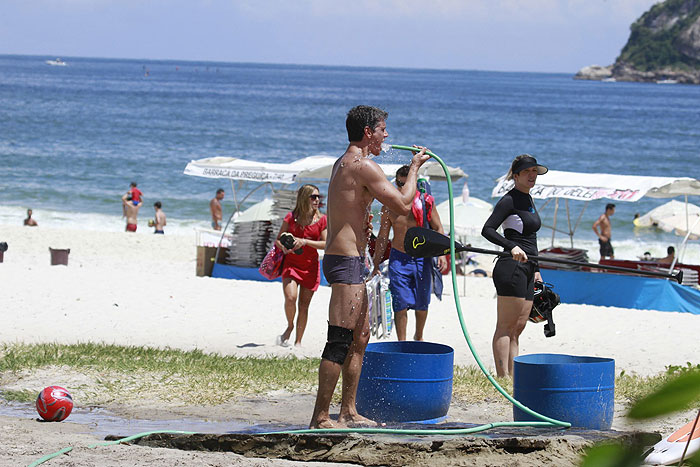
(410, 278)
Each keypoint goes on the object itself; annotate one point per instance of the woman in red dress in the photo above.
(301, 273)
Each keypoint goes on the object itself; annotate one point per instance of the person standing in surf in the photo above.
(131, 211)
(514, 276)
(355, 182)
(216, 210)
(603, 223)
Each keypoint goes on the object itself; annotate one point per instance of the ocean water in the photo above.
(73, 137)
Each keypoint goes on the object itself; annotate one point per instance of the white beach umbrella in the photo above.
(674, 216)
(469, 217)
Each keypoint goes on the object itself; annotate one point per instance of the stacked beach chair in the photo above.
(252, 240)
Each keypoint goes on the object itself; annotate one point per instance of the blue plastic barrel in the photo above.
(406, 381)
(578, 390)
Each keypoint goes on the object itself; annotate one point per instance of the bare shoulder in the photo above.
(361, 167)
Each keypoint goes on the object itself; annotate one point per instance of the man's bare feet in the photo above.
(357, 421)
(324, 424)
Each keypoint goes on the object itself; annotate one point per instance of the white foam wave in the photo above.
(13, 215)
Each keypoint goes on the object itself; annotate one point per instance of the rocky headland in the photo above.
(663, 47)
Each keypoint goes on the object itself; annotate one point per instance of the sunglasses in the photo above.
(400, 184)
(315, 197)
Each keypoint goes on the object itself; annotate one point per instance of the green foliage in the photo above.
(681, 388)
(649, 48)
(611, 455)
(676, 370)
(693, 461)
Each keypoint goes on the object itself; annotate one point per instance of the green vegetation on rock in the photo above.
(665, 37)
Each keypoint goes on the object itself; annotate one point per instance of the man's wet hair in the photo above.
(609, 206)
(360, 117)
(157, 204)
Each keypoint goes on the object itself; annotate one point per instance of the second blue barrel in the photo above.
(578, 390)
(406, 381)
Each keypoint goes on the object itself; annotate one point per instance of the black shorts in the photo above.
(514, 279)
(340, 269)
(606, 248)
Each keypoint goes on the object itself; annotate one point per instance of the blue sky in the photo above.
(500, 35)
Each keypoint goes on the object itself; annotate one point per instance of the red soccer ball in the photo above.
(54, 404)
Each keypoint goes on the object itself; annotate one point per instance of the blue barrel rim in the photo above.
(576, 359)
(435, 345)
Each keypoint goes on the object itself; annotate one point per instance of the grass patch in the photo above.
(23, 395)
(470, 385)
(632, 388)
(119, 373)
(192, 377)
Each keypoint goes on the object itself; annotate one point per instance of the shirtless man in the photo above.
(670, 256)
(29, 221)
(215, 207)
(159, 221)
(603, 222)
(355, 182)
(131, 212)
(411, 278)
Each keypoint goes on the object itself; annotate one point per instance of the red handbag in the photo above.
(271, 266)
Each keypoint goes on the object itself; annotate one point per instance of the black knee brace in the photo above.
(338, 345)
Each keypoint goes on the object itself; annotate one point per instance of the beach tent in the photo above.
(586, 187)
(592, 186)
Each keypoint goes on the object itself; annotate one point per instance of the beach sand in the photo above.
(141, 290)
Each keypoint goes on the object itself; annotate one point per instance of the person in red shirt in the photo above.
(302, 234)
(136, 194)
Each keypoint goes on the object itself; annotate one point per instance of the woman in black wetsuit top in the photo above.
(514, 276)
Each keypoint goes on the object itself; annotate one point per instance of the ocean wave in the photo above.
(10, 215)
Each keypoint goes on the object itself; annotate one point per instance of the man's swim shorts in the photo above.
(606, 248)
(131, 227)
(410, 281)
(339, 269)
